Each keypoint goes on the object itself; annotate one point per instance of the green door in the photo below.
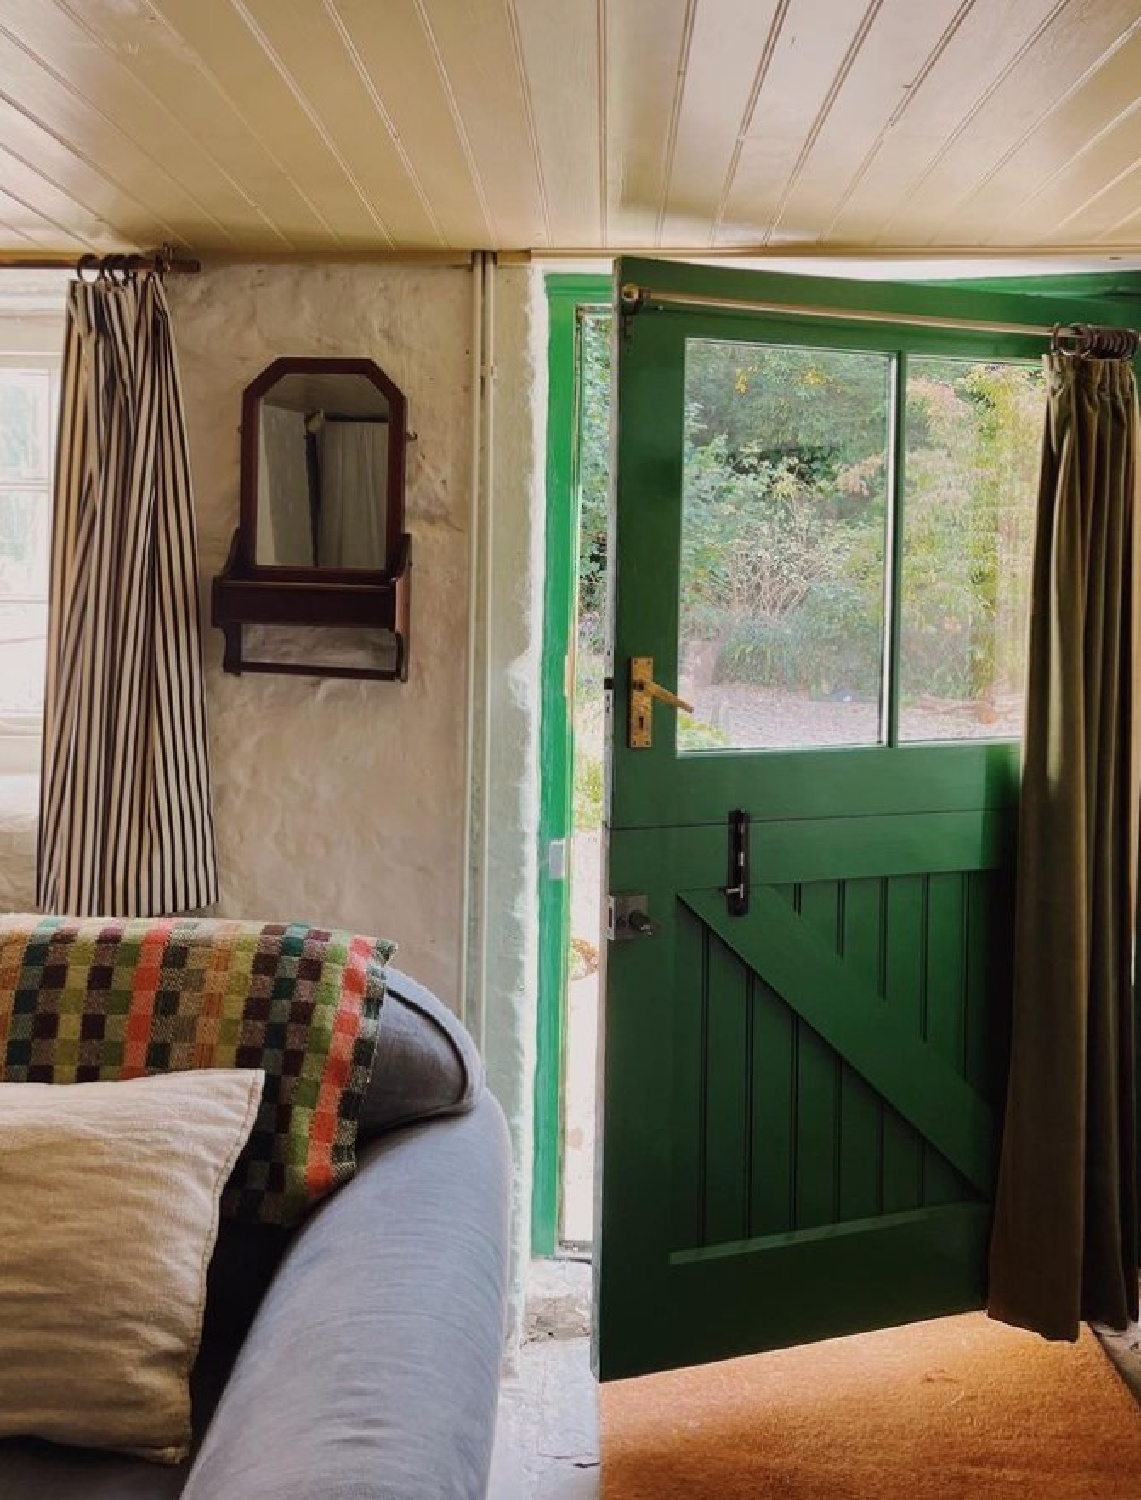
(822, 538)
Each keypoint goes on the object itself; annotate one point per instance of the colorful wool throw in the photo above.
(82, 1000)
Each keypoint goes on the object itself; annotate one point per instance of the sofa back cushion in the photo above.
(97, 999)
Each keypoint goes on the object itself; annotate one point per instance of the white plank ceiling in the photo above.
(256, 128)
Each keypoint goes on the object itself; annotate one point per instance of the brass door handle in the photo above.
(663, 695)
(643, 691)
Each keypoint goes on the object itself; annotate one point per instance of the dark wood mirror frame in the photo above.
(250, 593)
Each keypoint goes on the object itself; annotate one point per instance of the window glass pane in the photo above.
(23, 639)
(973, 432)
(25, 536)
(25, 528)
(782, 565)
(25, 424)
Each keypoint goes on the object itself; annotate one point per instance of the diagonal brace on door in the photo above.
(851, 1017)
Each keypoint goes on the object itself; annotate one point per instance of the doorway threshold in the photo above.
(558, 1299)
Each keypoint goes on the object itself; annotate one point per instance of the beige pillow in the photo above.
(108, 1215)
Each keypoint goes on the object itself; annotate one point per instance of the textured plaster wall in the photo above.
(337, 801)
(514, 642)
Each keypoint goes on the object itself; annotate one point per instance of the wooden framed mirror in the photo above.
(321, 537)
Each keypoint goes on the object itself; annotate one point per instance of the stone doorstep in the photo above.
(558, 1299)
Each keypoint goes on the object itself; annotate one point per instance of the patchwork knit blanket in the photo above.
(104, 998)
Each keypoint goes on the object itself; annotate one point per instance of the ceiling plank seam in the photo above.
(763, 66)
(529, 112)
(1053, 106)
(675, 116)
(166, 230)
(220, 167)
(369, 85)
(846, 64)
(980, 103)
(909, 96)
(457, 121)
(64, 83)
(314, 118)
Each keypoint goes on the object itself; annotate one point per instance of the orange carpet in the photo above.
(961, 1407)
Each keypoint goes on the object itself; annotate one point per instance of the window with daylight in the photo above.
(30, 333)
(828, 490)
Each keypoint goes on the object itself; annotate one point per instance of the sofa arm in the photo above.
(371, 1371)
(426, 1063)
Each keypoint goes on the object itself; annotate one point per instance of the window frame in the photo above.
(898, 343)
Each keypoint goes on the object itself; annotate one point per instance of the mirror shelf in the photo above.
(241, 597)
(320, 540)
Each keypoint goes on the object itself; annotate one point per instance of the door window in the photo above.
(792, 501)
(783, 545)
(973, 431)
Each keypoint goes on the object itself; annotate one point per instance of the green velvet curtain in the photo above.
(1064, 1245)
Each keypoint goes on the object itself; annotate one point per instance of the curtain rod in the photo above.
(161, 261)
(635, 297)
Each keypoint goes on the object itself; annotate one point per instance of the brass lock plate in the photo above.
(627, 917)
(640, 725)
(643, 691)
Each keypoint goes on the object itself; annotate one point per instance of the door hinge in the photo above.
(557, 859)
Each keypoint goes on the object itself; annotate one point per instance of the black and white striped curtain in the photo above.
(125, 821)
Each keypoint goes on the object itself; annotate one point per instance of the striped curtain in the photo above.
(126, 827)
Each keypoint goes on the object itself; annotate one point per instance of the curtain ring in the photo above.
(1066, 338)
(1086, 341)
(88, 262)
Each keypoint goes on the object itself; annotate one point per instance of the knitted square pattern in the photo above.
(89, 999)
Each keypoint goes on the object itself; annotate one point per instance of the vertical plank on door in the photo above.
(861, 944)
(945, 955)
(903, 990)
(817, 1146)
(689, 1075)
(774, 1107)
(727, 1117)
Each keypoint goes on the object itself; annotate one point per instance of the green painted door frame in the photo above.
(566, 295)
(801, 1104)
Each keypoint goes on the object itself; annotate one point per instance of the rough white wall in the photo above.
(515, 588)
(342, 802)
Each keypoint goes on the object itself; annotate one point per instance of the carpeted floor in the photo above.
(957, 1408)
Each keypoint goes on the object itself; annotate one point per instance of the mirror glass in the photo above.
(322, 472)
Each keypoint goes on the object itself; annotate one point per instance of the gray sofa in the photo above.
(357, 1358)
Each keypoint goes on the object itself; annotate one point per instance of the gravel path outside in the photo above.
(755, 718)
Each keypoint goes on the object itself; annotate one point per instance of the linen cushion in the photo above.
(109, 1200)
(99, 998)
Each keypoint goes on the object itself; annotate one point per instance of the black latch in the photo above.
(737, 884)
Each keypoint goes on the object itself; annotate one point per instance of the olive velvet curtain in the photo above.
(1064, 1246)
